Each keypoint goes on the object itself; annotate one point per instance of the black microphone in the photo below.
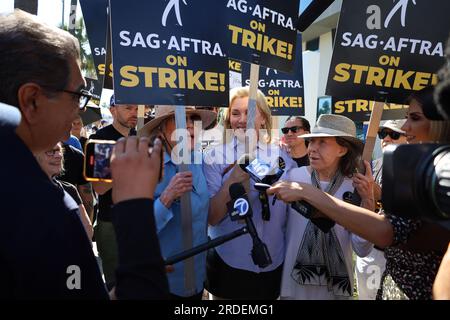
(304, 208)
(260, 253)
(244, 161)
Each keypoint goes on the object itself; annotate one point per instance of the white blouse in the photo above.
(296, 226)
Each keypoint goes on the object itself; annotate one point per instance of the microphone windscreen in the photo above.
(236, 190)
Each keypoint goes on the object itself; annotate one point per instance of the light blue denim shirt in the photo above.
(168, 225)
(237, 252)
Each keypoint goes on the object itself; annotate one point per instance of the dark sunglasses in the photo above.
(294, 129)
(394, 135)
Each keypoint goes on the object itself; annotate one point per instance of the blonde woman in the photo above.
(231, 273)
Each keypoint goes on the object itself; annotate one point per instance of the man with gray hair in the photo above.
(44, 250)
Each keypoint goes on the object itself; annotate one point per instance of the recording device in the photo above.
(97, 166)
(97, 160)
(262, 172)
(304, 208)
(416, 182)
(238, 209)
(241, 205)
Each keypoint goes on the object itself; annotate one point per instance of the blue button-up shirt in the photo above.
(168, 225)
(237, 252)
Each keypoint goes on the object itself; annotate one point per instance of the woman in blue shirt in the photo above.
(167, 206)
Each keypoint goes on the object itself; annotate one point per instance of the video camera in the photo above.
(416, 177)
(416, 182)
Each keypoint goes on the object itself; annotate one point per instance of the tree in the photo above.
(30, 6)
(87, 62)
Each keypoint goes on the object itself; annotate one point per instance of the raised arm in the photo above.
(361, 221)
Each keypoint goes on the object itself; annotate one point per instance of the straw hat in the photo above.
(333, 125)
(163, 113)
(394, 125)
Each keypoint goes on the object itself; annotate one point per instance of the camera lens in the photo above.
(437, 177)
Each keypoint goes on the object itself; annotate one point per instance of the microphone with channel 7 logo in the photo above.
(241, 210)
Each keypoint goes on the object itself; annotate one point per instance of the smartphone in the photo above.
(97, 160)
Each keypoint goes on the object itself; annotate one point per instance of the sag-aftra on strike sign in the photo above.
(384, 51)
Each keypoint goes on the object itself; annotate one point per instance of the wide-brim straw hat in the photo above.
(163, 113)
(333, 125)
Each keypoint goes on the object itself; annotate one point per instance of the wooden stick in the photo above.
(141, 116)
(372, 131)
(185, 203)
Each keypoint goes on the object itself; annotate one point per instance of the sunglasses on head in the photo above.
(294, 129)
(394, 135)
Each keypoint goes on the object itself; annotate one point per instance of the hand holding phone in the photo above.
(135, 171)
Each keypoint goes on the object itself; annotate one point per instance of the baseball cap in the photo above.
(394, 125)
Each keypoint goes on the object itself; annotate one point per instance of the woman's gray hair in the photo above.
(32, 51)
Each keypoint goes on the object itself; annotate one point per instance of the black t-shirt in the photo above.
(105, 200)
(83, 141)
(70, 189)
(73, 166)
(302, 161)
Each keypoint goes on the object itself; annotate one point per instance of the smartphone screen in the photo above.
(97, 160)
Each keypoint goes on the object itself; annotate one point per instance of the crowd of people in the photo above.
(136, 221)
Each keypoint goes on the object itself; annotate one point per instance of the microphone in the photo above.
(260, 253)
(304, 208)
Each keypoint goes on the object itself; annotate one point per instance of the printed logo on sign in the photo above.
(175, 5)
(241, 206)
(374, 21)
(401, 4)
(268, 70)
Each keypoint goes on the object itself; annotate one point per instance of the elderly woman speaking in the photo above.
(318, 264)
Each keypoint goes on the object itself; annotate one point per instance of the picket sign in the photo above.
(371, 136)
(250, 146)
(141, 116)
(185, 203)
(374, 124)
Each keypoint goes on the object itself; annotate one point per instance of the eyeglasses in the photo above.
(294, 129)
(52, 153)
(83, 96)
(394, 135)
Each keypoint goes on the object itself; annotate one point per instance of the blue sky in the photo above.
(304, 4)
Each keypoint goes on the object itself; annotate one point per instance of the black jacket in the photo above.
(44, 251)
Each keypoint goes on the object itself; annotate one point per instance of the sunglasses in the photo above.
(394, 135)
(294, 129)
